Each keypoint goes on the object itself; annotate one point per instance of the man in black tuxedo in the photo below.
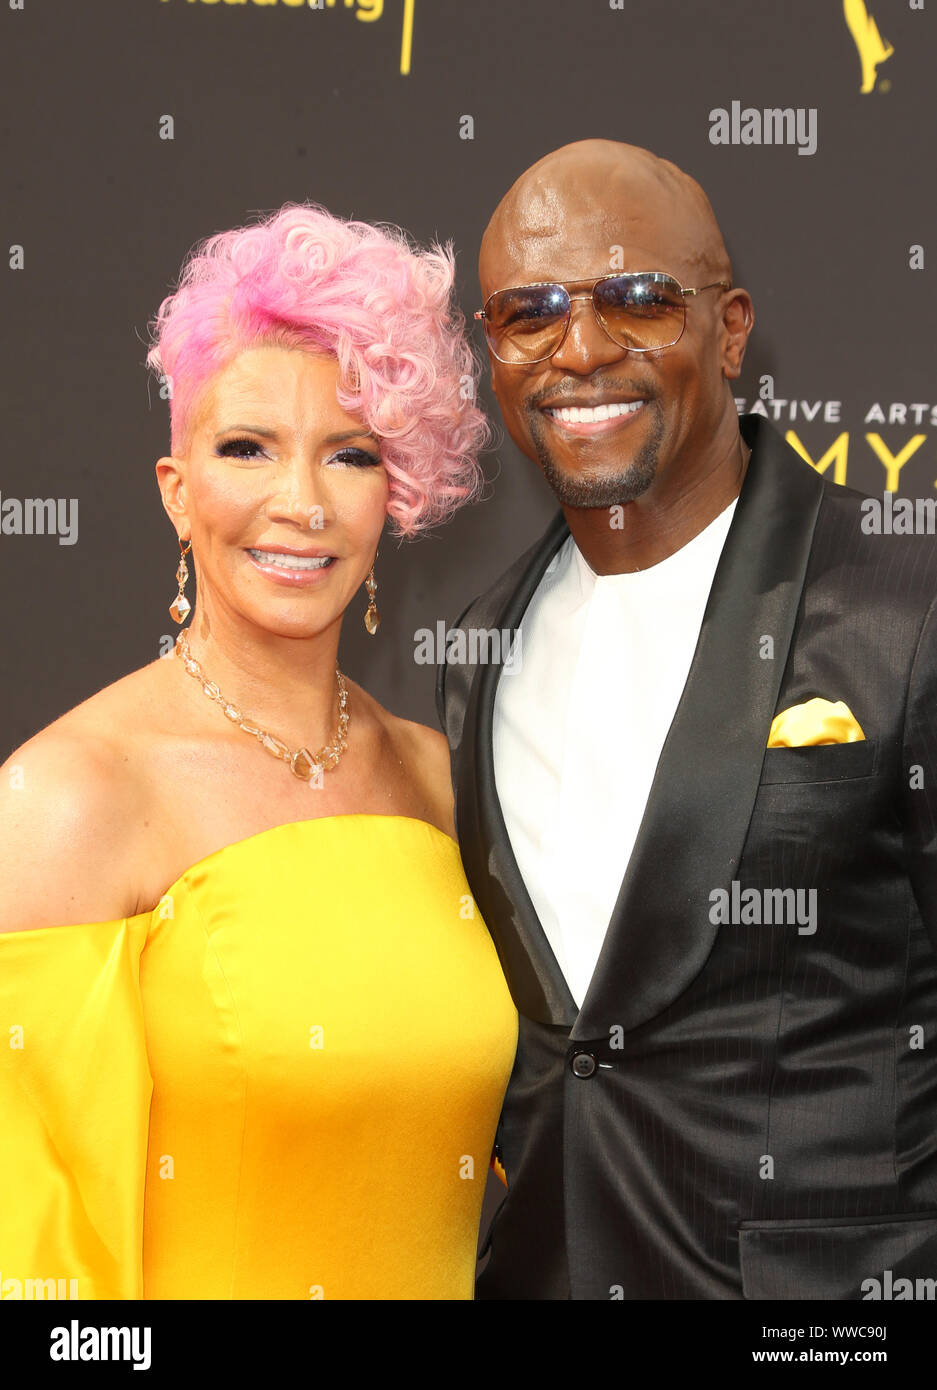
(700, 816)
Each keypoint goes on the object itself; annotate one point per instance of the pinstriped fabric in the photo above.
(765, 1119)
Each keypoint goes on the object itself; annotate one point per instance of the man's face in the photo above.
(675, 397)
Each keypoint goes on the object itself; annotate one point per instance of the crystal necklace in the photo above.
(302, 763)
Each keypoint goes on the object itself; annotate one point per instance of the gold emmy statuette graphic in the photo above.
(873, 49)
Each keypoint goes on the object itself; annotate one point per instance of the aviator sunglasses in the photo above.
(642, 311)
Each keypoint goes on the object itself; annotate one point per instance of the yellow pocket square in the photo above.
(815, 721)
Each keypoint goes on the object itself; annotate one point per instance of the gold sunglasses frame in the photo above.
(482, 314)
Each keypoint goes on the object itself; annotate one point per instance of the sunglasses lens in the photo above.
(525, 325)
(641, 311)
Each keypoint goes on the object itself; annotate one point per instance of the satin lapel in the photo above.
(537, 983)
(701, 800)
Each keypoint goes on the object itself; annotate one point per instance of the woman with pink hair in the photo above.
(259, 1033)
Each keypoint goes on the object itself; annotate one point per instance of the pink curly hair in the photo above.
(302, 278)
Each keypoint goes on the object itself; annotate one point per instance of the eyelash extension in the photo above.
(226, 450)
(359, 458)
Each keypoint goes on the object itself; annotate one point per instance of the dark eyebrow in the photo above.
(351, 434)
(248, 429)
(272, 434)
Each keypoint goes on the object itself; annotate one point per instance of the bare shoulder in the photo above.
(423, 755)
(430, 754)
(423, 751)
(72, 805)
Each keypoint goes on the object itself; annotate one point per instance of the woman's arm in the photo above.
(71, 819)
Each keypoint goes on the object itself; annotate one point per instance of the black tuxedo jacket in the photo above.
(736, 1111)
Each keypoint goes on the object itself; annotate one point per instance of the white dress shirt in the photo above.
(579, 727)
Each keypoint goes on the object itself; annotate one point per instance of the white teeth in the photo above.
(586, 415)
(292, 562)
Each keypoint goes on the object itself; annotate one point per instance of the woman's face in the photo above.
(283, 492)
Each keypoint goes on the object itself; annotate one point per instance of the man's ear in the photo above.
(738, 319)
(170, 477)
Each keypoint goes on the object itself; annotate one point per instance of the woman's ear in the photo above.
(170, 477)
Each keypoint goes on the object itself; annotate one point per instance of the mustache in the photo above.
(571, 387)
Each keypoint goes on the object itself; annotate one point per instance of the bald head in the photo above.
(590, 198)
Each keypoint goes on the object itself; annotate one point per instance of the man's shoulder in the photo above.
(888, 540)
(875, 545)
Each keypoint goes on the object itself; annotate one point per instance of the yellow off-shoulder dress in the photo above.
(281, 1083)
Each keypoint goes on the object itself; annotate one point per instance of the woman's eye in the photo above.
(239, 448)
(247, 449)
(358, 458)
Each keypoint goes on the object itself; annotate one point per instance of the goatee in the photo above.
(581, 489)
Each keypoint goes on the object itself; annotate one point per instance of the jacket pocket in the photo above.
(823, 762)
(887, 1257)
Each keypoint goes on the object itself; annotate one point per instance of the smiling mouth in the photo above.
(291, 562)
(593, 415)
